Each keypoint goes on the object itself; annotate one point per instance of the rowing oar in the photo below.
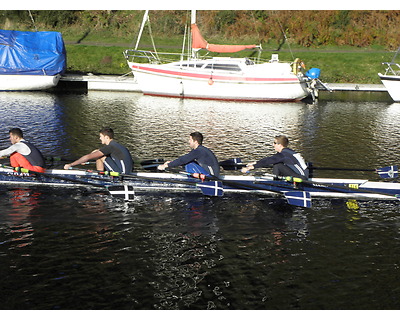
(145, 164)
(293, 197)
(57, 159)
(330, 186)
(23, 170)
(232, 164)
(127, 193)
(388, 172)
(208, 188)
(151, 164)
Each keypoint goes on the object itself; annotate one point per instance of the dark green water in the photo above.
(84, 250)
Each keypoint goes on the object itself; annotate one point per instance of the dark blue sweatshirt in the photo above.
(201, 155)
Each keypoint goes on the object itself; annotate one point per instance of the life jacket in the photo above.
(35, 157)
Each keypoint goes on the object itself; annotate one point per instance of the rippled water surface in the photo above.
(83, 250)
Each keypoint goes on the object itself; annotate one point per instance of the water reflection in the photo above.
(158, 127)
(38, 114)
(185, 254)
(197, 252)
(332, 133)
(154, 127)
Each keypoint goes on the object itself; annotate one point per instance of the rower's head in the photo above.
(280, 142)
(106, 135)
(195, 139)
(16, 135)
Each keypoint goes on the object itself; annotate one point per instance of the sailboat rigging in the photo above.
(219, 78)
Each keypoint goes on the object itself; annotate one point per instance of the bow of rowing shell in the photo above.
(144, 182)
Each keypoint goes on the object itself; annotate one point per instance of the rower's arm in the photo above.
(14, 148)
(91, 156)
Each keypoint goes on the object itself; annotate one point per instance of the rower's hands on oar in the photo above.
(248, 167)
(162, 167)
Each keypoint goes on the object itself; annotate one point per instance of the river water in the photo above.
(83, 250)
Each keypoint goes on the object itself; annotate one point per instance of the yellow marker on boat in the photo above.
(111, 173)
(293, 179)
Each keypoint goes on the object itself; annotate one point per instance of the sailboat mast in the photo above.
(193, 20)
(145, 17)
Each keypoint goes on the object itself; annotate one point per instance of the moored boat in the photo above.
(391, 78)
(31, 61)
(219, 78)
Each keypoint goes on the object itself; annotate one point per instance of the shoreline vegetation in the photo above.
(348, 46)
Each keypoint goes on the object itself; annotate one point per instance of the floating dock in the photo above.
(356, 87)
(127, 83)
(91, 82)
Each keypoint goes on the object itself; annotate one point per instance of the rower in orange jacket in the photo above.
(22, 153)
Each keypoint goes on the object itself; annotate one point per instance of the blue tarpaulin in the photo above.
(33, 53)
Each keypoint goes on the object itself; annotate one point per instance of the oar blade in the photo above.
(298, 198)
(211, 188)
(389, 172)
(232, 164)
(124, 192)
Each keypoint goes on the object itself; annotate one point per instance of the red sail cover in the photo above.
(198, 42)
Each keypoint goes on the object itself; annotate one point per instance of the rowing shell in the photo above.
(146, 182)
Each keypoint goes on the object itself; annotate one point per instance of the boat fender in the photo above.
(297, 65)
(210, 81)
(313, 73)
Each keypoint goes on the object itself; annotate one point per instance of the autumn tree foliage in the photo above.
(308, 28)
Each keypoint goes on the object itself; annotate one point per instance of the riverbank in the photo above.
(347, 46)
(337, 65)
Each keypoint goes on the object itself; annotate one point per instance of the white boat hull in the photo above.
(171, 81)
(392, 85)
(27, 82)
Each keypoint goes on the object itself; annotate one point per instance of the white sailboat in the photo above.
(219, 78)
(391, 78)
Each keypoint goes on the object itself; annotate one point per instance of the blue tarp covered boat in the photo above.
(31, 60)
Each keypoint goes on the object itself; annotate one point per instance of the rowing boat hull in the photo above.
(143, 183)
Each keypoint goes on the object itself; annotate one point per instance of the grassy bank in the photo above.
(348, 46)
(337, 64)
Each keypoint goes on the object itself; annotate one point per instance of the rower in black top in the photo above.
(112, 157)
(285, 162)
(199, 160)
